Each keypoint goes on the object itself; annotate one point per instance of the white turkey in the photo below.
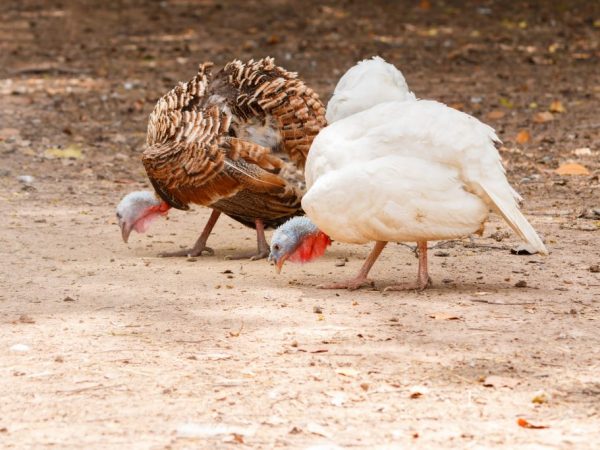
(391, 168)
(236, 142)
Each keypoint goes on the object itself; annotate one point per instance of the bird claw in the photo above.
(419, 285)
(251, 256)
(351, 285)
(189, 252)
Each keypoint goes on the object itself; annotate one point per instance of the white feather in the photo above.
(368, 83)
(405, 170)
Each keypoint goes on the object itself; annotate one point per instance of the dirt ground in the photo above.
(105, 345)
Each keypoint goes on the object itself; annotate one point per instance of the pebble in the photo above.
(595, 268)
(25, 179)
(521, 284)
(21, 348)
(317, 310)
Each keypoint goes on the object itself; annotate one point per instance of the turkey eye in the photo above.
(118, 216)
(276, 247)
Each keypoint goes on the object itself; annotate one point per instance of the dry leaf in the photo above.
(525, 424)
(523, 137)
(506, 103)
(557, 107)
(572, 169)
(273, 39)
(497, 381)
(336, 12)
(424, 5)
(24, 318)
(238, 438)
(73, 151)
(315, 428)
(496, 115)
(581, 56)
(543, 117)
(347, 372)
(583, 151)
(418, 391)
(444, 316)
(553, 47)
(540, 397)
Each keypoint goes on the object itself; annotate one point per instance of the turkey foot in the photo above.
(351, 285)
(263, 249)
(423, 279)
(360, 279)
(419, 285)
(200, 245)
(190, 252)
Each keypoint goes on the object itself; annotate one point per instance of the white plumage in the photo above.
(405, 170)
(366, 84)
(390, 167)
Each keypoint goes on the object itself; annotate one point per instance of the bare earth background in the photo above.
(122, 349)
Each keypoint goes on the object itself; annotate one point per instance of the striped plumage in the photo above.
(236, 142)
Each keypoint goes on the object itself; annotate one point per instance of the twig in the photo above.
(480, 300)
(89, 388)
(39, 70)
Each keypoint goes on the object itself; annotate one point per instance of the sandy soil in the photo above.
(105, 345)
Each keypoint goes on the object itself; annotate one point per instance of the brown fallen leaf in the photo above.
(347, 372)
(238, 438)
(424, 5)
(24, 318)
(581, 56)
(273, 39)
(523, 137)
(525, 424)
(557, 107)
(572, 169)
(418, 391)
(444, 316)
(543, 117)
(498, 381)
(496, 115)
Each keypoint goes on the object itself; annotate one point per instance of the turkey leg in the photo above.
(361, 278)
(263, 249)
(200, 245)
(423, 279)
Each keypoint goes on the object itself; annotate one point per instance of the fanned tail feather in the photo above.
(510, 212)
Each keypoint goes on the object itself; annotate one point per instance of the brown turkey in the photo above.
(235, 142)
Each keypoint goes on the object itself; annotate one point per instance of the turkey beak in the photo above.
(125, 230)
(279, 264)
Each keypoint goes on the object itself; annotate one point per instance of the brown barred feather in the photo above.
(236, 141)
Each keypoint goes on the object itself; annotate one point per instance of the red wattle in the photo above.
(312, 247)
(142, 224)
